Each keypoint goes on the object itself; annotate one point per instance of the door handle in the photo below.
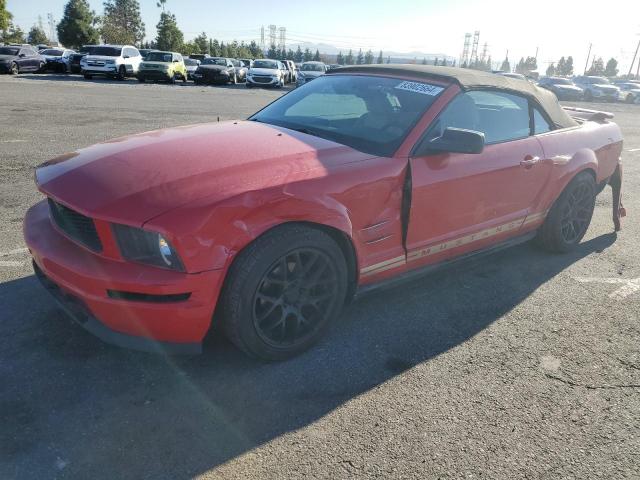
(529, 161)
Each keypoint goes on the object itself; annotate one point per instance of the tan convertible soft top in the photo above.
(469, 79)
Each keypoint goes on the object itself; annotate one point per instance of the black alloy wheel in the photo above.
(577, 212)
(295, 297)
(283, 291)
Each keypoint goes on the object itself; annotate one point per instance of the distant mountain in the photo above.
(396, 57)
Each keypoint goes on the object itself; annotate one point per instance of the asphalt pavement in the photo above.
(519, 365)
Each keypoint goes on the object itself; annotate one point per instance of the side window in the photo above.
(540, 124)
(134, 52)
(179, 58)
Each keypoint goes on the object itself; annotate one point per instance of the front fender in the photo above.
(223, 230)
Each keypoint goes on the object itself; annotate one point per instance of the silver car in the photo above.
(310, 71)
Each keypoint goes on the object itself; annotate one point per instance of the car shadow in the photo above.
(102, 412)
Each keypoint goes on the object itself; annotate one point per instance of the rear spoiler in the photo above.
(588, 115)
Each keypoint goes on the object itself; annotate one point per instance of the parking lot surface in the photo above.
(519, 365)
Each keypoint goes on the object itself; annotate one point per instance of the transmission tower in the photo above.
(52, 27)
(474, 48)
(262, 44)
(282, 44)
(272, 36)
(483, 58)
(465, 51)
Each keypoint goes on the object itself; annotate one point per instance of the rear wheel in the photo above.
(629, 98)
(283, 292)
(88, 77)
(122, 73)
(570, 216)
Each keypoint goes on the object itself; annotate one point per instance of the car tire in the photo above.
(248, 85)
(629, 99)
(569, 218)
(184, 78)
(122, 73)
(588, 96)
(41, 67)
(234, 80)
(14, 69)
(172, 80)
(88, 77)
(273, 313)
(141, 79)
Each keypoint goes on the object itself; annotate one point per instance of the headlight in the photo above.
(147, 247)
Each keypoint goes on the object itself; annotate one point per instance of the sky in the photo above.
(554, 28)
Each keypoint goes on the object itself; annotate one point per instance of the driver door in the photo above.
(464, 202)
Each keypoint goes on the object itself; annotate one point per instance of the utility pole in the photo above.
(586, 64)
(634, 59)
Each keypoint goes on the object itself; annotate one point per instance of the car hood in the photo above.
(568, 87)
(99, 57)
(311, 74)
(155, 64)
(213, 68)
(263, 71)
(134, 179)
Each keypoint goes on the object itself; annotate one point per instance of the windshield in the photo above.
(8, 51)
(52, 52)
(215, 61)
(106, 51)
(265, 64)
(189, 62)
(559, 81)
(312, 67)
(87, 49)
(599, 80)
(370, 114)
(159, 57)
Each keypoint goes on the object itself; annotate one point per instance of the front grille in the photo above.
(262, 79)
(78, 227)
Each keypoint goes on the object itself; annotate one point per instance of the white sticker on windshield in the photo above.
(423, 88)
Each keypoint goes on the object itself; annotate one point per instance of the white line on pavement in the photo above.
(11, 263)
(12, 141)
(634, 150)
(629, 286)
(15, 251)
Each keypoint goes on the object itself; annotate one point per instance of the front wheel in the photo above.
(283, 292)
(122, 73)
(14, 69)
(588, 96)
(88, 77)
(570, 216)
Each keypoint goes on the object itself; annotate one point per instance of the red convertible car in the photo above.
(365, 176)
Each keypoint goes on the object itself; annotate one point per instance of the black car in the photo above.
(564, 88)
(19, 59)
(146, 51)
(74, 58)
(220, 70)
(199, 56)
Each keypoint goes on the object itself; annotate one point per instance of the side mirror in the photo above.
(22, 55)
(455, 140)
(125, 56)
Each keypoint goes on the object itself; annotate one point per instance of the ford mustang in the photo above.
(366, 176)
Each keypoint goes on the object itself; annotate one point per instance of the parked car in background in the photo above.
(564, 88)
(57, 59)
(629, 92)
(15, 59)
(310, 71)
(114, 61)
(192, 65)
(517, 76)
(333, 66)
(162, 66)
(247, 62)
(289, 71)
(368, 175)
(145, 51)
(266, 73)
(199, 56)
(597, 88)
(42, 46)
(219, 70)
(74, 58)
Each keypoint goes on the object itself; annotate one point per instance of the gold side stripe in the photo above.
(384, 268)
(448, 245)
(376, 266)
